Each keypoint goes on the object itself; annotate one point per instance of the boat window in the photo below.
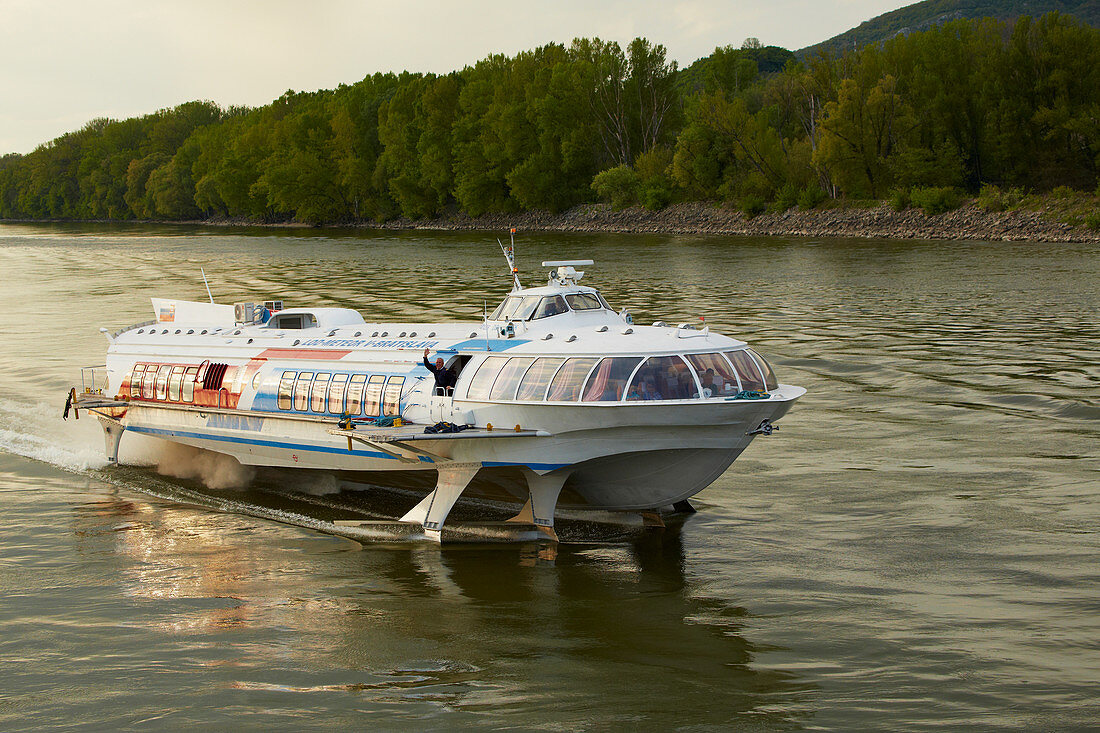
(189, 384)
(336, 393)
(506, 308)
(373, 402)
(551, 305)
(604, 301)
(355, 393)
(392, 403)
(583, 301)
(608, 380)
(234, 377)
(747, 370)
(301, 391)
(504, 388)
(663, 378)
(567, 383)
(484, 377)
(770, 379)
(135, 380)
(715, 374)
(526, 307)
(320, 392)
(286, 389)
(162, 382)
(175, 384)
(532, 388)
(148, 382)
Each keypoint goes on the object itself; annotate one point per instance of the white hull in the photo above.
(624, 458)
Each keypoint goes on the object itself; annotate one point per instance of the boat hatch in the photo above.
(294, 320)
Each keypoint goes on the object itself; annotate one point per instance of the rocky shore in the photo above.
(969, 222)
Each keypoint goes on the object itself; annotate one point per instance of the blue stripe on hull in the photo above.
(317, 448)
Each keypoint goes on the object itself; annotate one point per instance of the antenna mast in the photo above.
(510, 255)
(208, 284)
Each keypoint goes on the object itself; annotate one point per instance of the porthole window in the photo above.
(256, 379)
(190, 331)
(177, 330)
(374, 335)
(358, 334)
(203, 332)
(141, 330)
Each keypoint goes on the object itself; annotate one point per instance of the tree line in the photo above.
(958, 106)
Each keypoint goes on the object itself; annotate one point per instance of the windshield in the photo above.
(528, 307)
(583, 301)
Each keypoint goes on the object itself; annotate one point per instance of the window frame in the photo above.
(337, 407)
(318, 395)
(302, 386)
(284, 394)
(394, 386)
(163, 373)
(375, 379)
(135, 387)
(175, 384)
(360, 381)
(580, 386)
(188, 393)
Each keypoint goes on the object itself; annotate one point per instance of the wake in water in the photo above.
(36, 431)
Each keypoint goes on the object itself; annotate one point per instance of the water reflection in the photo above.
(610, 632)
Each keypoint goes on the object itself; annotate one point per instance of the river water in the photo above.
(916, 548)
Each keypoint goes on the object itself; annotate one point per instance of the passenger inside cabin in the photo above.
(444, 378)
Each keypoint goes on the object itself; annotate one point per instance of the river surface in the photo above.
(917, 548)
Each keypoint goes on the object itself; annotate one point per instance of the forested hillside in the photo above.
(924, 15)
(962, 104)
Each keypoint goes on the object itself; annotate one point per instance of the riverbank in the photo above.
(969, 222)
(882, 221)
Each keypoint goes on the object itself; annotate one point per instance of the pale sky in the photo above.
(65, 62)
